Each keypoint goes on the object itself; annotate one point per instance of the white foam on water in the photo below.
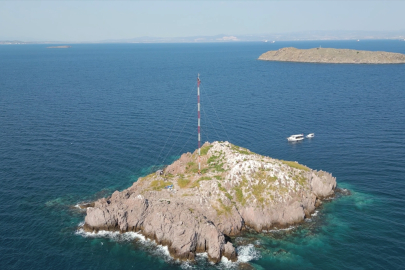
(315, 213)
(104, 234)
(128, 236)
(186, 265)
(245, 253)
(201, 259)
(157, 250)
(163, 250)
(202, 255)
(117, 236)
(82, 209)
(248, 253)
(279, 230)
(227, 264)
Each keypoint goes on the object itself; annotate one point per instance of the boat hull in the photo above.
(294, 140)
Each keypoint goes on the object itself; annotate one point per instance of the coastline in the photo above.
(237, 191)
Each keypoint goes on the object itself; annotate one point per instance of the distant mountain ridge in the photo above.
(290, 36)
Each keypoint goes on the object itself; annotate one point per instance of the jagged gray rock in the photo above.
(237, 189)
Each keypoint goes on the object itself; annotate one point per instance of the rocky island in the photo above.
(330, 55)
(191, 212)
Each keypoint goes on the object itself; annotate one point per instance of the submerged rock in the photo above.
(191, 212)
(280, 252)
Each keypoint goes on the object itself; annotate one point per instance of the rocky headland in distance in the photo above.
(335, 56)
(236, 190)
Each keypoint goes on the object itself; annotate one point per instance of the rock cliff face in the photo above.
(330, 55)
(236, 189)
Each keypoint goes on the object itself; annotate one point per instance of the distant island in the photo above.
(330, 55)
(59, 47)
(193, 212)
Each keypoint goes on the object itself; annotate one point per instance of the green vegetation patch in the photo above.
(239, 196)
(215, 162)
(197, 183)
(241, 150)
(212, 159)
(258, 190)
(204, 150)
(296, 165)
(192, 167)
(159, 184)
(300, 179)
(183, 182)
(223, 208)
(221, 188)
(262, 176)
(244, 181)
(219, 168)
(239, 191)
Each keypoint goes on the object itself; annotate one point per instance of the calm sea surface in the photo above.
(77, 124)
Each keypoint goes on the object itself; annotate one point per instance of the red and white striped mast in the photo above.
(199, 136)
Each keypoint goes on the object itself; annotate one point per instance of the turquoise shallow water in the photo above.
(79, 123)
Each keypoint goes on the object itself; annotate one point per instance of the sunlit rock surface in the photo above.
(236, 189)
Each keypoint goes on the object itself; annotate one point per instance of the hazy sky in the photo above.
(99, 20)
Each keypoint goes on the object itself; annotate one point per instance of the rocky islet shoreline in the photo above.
(191, 213)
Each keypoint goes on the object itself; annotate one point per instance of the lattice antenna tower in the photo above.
(199, 118)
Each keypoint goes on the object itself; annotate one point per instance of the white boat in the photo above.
(311, 135)
(295, 138)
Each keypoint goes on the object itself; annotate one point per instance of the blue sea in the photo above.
(77, 124)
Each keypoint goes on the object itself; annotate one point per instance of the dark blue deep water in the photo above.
(77, 124)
